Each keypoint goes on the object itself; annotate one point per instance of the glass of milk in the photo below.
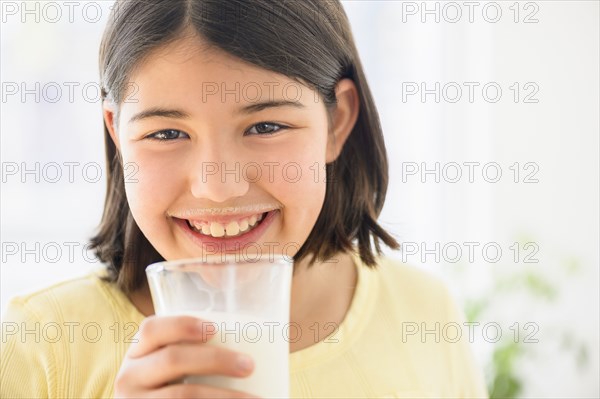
(248, 300)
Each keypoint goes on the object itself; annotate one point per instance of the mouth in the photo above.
(231, 235)
(233, 228)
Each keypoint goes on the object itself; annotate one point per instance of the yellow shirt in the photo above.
(398, 340)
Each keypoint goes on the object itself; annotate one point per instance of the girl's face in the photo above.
(223, 156)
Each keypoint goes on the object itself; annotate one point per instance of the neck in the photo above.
(319, 288)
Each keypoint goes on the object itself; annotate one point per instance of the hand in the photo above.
(172, 347)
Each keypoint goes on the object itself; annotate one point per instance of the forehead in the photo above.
(191, 70)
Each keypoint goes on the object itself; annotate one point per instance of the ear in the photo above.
(108, 111)
(344, 117)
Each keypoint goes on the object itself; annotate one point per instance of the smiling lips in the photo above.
(227, 233)
(232, 228)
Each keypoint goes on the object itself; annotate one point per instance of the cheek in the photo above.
(152, 183)
(300, 186)
(303, 201)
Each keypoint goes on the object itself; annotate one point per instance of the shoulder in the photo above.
(71, 299)
(405, 274)
(51, 336)
(414, 290)
(428, 321)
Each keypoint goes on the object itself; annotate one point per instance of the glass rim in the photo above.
(230, 260)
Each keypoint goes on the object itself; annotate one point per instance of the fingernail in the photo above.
(245, 363)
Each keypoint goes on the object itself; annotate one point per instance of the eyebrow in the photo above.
(160, 113)
(249, 109)
(157, 112)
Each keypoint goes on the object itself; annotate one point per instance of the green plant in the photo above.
(531, 284)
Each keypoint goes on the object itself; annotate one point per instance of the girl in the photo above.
(246, 127)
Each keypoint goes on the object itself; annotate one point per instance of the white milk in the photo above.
(265, 342)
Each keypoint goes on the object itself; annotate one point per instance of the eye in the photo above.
(167, 135)
(265, 128)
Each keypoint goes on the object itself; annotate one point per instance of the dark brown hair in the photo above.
(307, 40)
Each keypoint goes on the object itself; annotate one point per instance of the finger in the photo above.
(177, 361)
(196, 391)
(158, 331)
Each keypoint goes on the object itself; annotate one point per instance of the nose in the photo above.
(215, 178)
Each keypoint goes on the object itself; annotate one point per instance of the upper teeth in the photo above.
(232, 228)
